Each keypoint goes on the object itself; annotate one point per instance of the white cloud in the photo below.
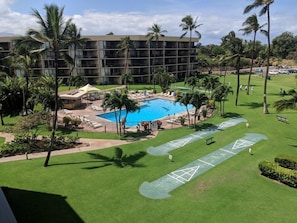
(215, 25)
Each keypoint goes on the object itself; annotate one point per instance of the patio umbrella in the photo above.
(89, 88)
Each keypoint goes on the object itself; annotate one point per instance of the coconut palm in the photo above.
(154, 33)
(185, 99)
(53, 35)
(192, 82)
(115, 102)
(189, 25)
(286, 104)
(220, 94)
(163, 78)
(252, 26)
(265, 4)
(197, 100)
(125, 46)
(75, 42)
(235, 47)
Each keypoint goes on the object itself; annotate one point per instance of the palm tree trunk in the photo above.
(265, 106)
(52, 141)
(238, 79)
(252, 64)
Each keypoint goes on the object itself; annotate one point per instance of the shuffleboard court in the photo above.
(160, 188)
(165, 148)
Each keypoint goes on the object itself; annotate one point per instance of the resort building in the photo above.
(101, 61)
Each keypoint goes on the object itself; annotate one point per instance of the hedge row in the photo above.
(287, 161)
(279, 173)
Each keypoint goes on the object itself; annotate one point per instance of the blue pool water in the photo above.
(153, 109)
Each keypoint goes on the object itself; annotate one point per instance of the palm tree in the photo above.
(220, 94)
(116, 101)
(285, 104)
(189, 25)
(127, 78)
(210, 83)
(185, 99)
(192, 82)
(252, 25)
(154, 33)
(197, 101)
(235, 47)
(53, 35)
(75, 42)
(163, 78)
(265, 10)
(125, 45)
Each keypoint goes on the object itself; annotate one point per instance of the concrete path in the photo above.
(92, 144)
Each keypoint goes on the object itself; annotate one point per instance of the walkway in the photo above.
(91, 144)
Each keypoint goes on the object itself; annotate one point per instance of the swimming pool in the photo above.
(151, 110)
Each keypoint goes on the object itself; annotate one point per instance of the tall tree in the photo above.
(75, 42)
(197, 101)
(220, 94)
(163, 78)
(125, 46)
(235, 47)
(185, 99)
(189, 25)
(53, 35)
(154, 33)
(252, 26)
(265, 4)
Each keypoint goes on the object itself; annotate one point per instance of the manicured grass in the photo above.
(79, 188)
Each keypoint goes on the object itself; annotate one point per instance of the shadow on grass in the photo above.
(231, 115)
(203, 125)
(119, 160)
(36, 207)
(253, 105)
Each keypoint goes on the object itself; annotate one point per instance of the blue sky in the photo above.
(133, 17)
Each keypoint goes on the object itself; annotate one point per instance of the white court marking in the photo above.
(240, 143)
(184, 175)
(180, 142)
(205, 162)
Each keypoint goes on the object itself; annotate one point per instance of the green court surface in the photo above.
(165, 148)
(160, 188)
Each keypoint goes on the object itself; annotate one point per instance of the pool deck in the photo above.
(90, 109)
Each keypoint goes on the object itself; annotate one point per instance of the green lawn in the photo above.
(78, 188)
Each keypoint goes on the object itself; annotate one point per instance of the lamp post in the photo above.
(2, 122)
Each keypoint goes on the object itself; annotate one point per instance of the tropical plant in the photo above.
(115, 102)
(265, 4)
(210, 83)
(185, 99)
(235, 47)
(75, 42)
(192, 82)
(252, 26)
(197, 100)
(285, 104)
(53, 35)
(189, 25)
(124, 46)
(220, 94)
(163, 78)
(154, 33)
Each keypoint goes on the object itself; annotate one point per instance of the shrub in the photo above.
(276, 172)
(66, 120)
(287, 161)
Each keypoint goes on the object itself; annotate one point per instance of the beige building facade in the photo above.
(101, 61)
